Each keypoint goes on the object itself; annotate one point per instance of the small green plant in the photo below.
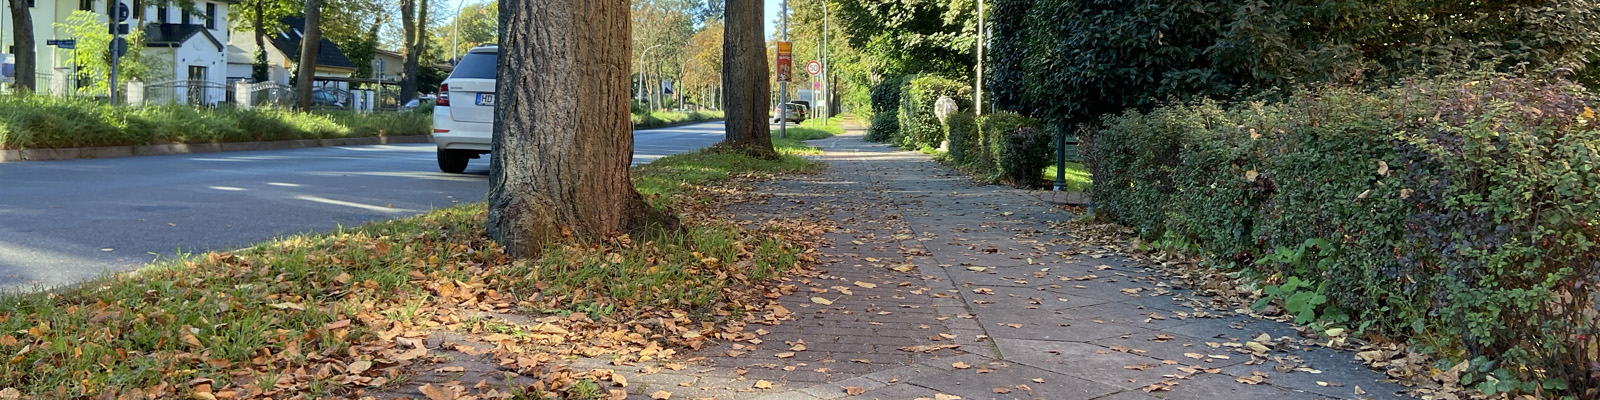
(1297, 300)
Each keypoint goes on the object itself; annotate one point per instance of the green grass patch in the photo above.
(43, 122)
(250, 319)
(656, 119)
(1077, 177)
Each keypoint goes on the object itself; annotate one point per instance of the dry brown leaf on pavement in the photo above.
(854, 390)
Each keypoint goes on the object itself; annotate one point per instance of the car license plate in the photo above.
(485, 99)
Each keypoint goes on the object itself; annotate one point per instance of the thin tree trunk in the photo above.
(408, 40)
(259, 70)
(308, 53)
(22, 38)
(745, 80)
(563, 141)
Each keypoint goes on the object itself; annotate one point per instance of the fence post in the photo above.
(372, 97)
(135, 92)
(241, 94)
(58, 82)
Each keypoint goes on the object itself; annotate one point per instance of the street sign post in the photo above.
(814, 67)
(64, 44)
(785, 61)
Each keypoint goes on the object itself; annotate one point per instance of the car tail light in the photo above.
(444, 96)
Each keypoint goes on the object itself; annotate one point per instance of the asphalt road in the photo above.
(63, 222)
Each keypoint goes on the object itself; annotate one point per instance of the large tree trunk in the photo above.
(22, 38)
(259, 70)
(411, 39)
(563, 141)
(308, 53)
(745, 79)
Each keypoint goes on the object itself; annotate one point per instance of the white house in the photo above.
(283, 49)
(192, 41)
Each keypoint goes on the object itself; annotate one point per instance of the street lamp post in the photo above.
(455, 29)
(783, 85)
(641, 70)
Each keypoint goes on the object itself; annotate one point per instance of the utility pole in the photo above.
(783, 84)
(827, 94)
(977, 106)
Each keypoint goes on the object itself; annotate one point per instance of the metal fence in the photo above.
(191, 92)
(269, 94)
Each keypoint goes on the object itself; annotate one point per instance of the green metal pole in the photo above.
(1061, 161)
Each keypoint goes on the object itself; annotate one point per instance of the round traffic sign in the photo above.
(123, 12)
(814, 67)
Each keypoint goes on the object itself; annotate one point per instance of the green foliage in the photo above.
(912, 36)
(962, 130)
(886, 96)
(991, 136)
(1025, 153)
(32, 122)
(919, 125)
(93, 57)
(1460, 213)
(1085, 59)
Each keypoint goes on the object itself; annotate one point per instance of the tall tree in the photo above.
(307, 66)
(22, 40)
(745, 80)
(413, 21)
(563, 141)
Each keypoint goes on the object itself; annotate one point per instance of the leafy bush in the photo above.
(49, 122)
(1027, 151)
(886, 109)
(884, 126)
(962, 129)
(918, 123)
(991, 130)
(1460, 215)
(1089, 58)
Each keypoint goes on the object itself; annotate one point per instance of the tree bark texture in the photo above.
(564, 140)
(309, 38)
(22, 38)
(412, 18)
(259, 70)
(745, 79)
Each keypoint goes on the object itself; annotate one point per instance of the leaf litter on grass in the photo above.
(349, 314)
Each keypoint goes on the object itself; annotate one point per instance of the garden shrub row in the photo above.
(1462, 215)
(34, 122)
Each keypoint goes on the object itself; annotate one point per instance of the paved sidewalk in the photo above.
(935, 287)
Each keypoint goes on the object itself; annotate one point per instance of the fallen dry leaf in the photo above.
(1001, 390)
(661, 395)
(866, 285)
(763, 384)
(854, 390)
(821, 301)
(961, 365)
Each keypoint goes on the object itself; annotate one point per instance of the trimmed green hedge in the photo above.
(1462, 215)
(919, 125)
(33, 122)
(659, 119)
(885, 114)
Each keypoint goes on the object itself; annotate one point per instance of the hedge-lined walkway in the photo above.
(990, 301)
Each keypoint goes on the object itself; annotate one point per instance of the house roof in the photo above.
(174, 35)
(288, 42)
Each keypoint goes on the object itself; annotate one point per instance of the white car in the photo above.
(463, 112)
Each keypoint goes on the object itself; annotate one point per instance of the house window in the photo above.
(138, 9)
(163, 14)
(211, 16)
(86, 5)
(185, 20)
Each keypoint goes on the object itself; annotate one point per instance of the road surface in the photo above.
(63, 222)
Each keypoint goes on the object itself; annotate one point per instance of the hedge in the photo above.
(1462, 215)
(49, 122)
(886, 109)
(919, 126)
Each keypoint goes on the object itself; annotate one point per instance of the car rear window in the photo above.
(476, 66)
